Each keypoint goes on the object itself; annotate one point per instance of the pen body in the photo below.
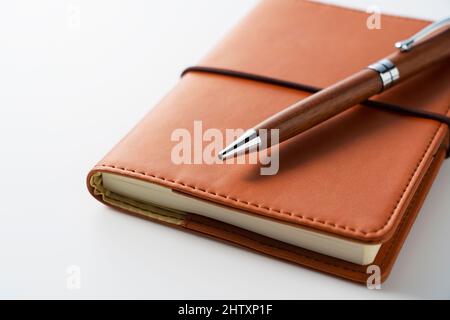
(323, 105)
(366, 83)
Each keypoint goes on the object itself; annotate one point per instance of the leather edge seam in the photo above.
(332, 225)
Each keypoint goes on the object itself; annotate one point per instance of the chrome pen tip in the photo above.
(250, 140)
(221, 155)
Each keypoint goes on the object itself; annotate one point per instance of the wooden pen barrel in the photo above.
(324, 104)
(335, 99)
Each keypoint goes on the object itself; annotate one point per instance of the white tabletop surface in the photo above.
(75, 76)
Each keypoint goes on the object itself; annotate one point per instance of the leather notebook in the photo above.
(346, 192)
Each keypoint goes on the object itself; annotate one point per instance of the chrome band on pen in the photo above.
(388, 72)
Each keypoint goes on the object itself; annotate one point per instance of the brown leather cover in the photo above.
(361, 175)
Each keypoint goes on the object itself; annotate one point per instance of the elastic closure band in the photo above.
(408, 111)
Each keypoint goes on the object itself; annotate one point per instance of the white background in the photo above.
(70, 89)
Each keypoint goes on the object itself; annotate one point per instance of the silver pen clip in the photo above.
(406, 45)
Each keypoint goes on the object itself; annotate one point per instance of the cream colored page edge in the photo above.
(352, 251)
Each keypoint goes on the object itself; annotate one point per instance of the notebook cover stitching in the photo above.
(284, 212)
(386, 255)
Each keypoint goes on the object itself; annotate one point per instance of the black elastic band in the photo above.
(302, 87)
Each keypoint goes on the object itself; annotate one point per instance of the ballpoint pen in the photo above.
(414, 55)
